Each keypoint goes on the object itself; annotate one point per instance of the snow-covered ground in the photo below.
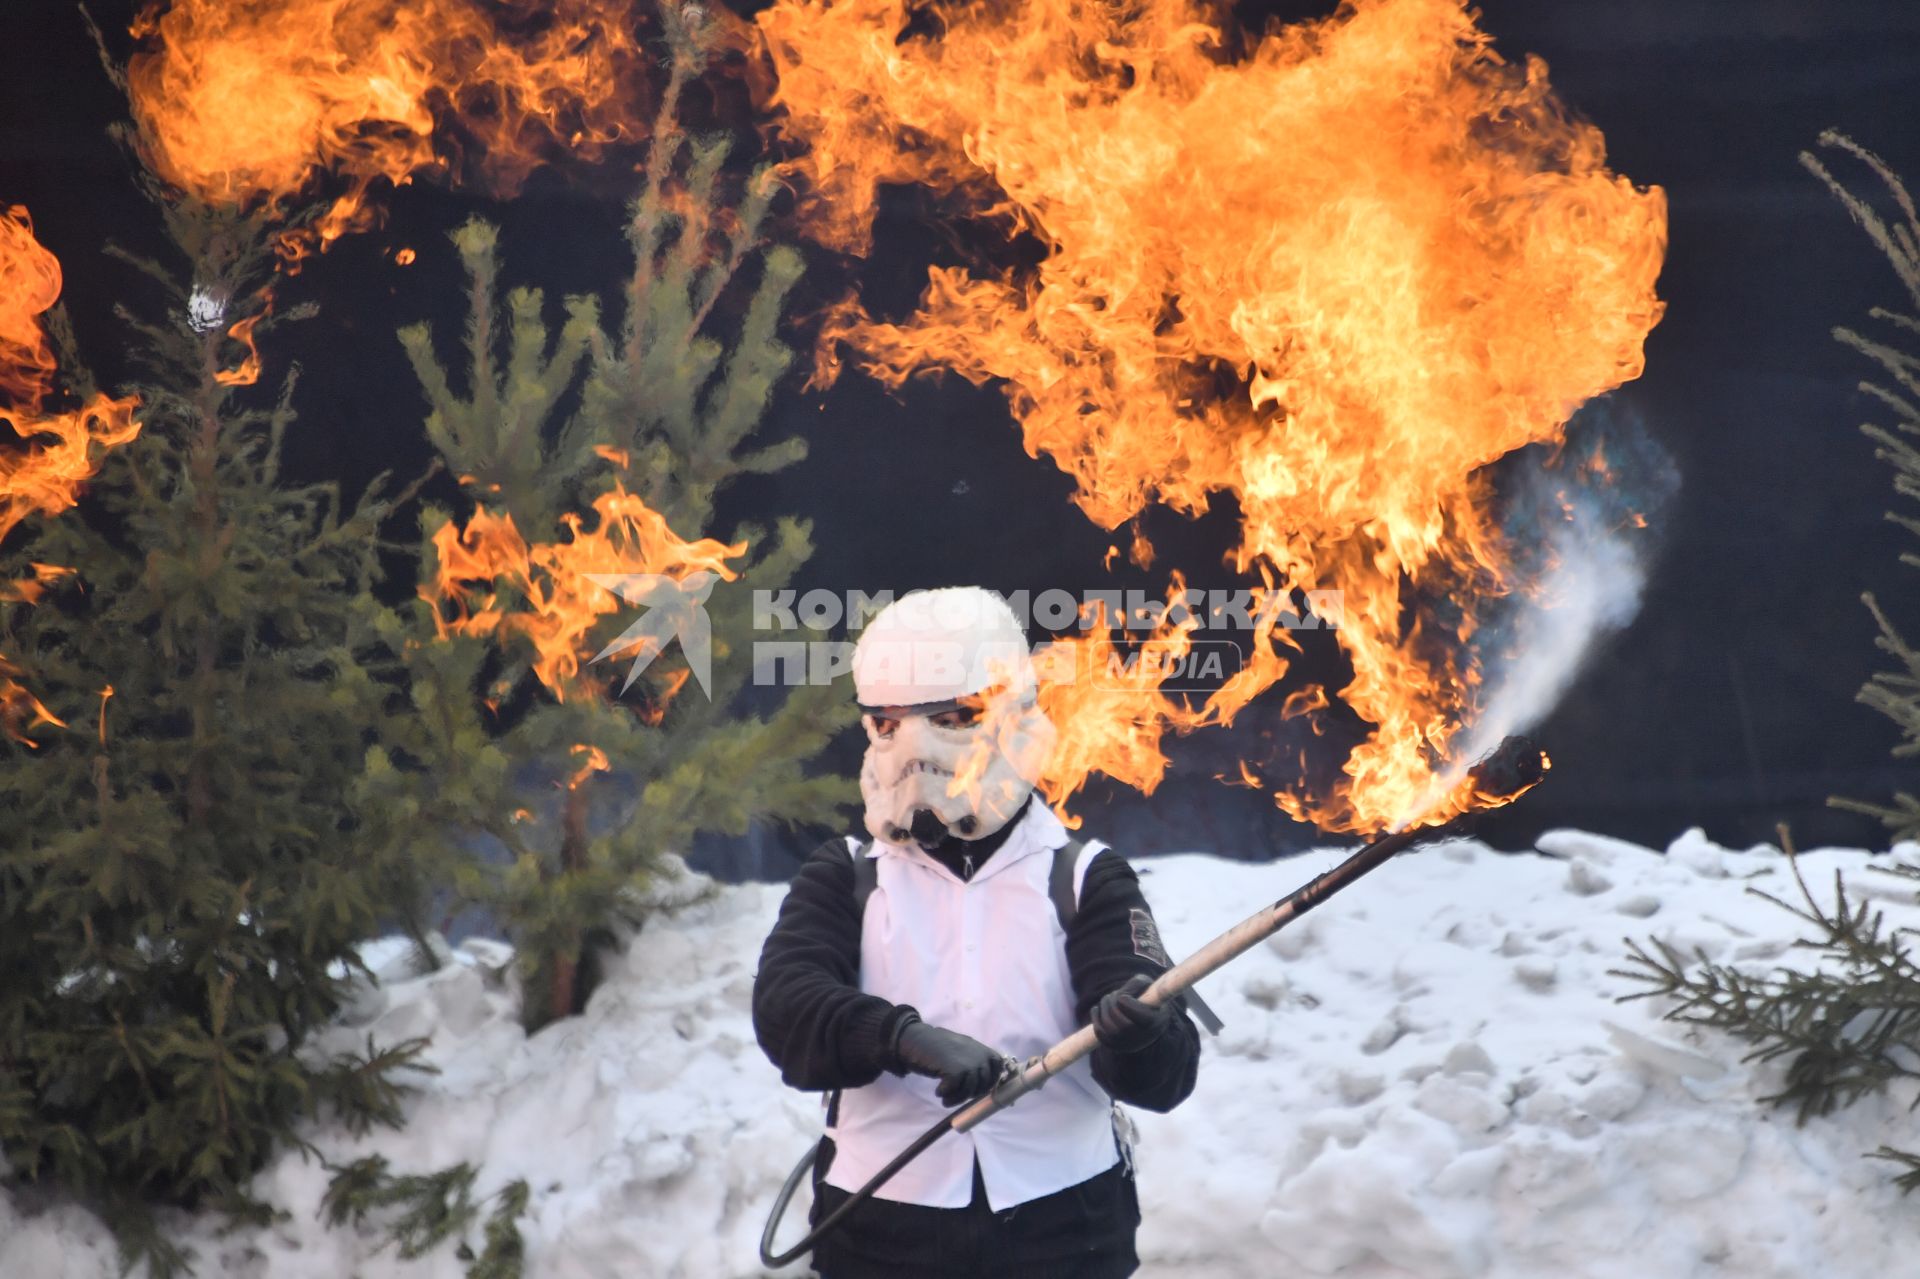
(1427, 1077)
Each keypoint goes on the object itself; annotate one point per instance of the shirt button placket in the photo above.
(970, 931)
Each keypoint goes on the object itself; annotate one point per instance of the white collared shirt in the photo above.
(985, 957)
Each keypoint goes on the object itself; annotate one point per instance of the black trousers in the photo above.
(1082, 1232)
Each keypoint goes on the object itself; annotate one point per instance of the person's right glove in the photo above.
(965, 1067)
(1125, 1023)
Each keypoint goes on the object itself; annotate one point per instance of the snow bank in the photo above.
(1427, 1078)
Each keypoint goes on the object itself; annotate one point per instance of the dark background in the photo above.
(1727, 704)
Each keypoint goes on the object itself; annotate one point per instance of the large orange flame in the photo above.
(1332, 276)
(245, 101)
(552, 601)
(63, 450)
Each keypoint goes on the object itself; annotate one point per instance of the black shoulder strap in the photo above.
(1060, 882)
(1063, 886)
(866, 874)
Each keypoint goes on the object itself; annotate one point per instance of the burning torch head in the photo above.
(955, 733)
(1507, 772)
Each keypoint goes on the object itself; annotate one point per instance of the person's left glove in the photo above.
(965, 1067)
(1125, 1024)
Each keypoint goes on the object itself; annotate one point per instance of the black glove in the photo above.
(1124, 1024)
(965, 1067)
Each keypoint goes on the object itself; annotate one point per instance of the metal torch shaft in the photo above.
(1216, 954)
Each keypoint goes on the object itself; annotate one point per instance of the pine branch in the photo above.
(354, 1190)
(138, 1238)
(436, 1206)
(431, 1207)
(1908, 1181)
(505, 1252)
(1847, 1027)
(364, 1089)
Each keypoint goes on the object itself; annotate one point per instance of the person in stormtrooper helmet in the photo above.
(956, 737)
(964, 930)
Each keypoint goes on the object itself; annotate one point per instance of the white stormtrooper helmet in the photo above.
(955, 734)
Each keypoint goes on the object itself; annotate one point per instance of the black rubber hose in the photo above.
(858, 1197)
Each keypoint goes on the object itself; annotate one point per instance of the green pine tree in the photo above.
(597, 449)
(181, 889)
(1846, 1024)
(1895, 693)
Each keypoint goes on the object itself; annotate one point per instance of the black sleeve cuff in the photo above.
(895, 1025)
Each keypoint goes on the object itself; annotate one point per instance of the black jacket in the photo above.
(816, 1025)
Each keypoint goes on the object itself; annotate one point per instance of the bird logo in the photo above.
(675, 609)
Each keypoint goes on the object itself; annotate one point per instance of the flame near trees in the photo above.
(1329, 273)
(1333, 277)
(61, 455)
(62, 449)
(246, 101)
(558, 601)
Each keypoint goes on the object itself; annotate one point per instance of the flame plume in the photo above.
(246, 101)
(1109, 713)
(248, 371)
(46, 477)
(1333, 277)
(64, 449)
(29, 286)
(551, 600)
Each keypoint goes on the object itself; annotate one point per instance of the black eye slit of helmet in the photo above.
(955, 712)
